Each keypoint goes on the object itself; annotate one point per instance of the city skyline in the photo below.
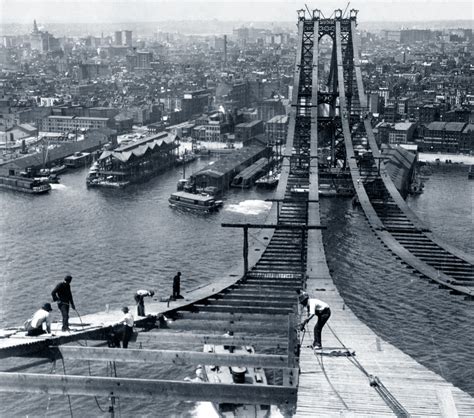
(110, 11)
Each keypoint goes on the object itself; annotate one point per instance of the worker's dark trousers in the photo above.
(127, 334)
(140, 305)
(176, 290)
(323, 317)
(64, 308)
(36, 331)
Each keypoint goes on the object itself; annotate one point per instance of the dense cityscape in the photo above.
(226, 88)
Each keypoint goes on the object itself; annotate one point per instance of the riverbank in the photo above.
(445, 158)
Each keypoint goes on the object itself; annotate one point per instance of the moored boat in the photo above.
(268, 181)
(236, 375)
(196, 202)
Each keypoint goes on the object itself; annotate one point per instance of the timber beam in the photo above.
(177, 357)
(146, 388)
(225, 326)
(163, 337)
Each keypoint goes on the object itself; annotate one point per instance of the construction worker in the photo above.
(322, 311)
(177, 286)
(62, 294)
(139, 296)
(34, 326)
(127, 326)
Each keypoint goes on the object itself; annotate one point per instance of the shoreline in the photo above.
(443, 158)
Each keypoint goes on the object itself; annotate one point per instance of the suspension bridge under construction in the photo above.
(357, 373)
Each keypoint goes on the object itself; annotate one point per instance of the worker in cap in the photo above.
(40, 322)
(63, 296)
(320, 309)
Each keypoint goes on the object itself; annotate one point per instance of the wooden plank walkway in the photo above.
(335, 386)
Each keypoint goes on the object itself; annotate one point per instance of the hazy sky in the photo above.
(261, 10)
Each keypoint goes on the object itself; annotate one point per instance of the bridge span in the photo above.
(358, 374)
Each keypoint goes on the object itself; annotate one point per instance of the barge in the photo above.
(24, 184)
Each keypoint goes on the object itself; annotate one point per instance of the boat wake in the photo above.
(58, 186)
(204, 410)
(250, 207)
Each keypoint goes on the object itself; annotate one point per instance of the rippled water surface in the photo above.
(115, 241)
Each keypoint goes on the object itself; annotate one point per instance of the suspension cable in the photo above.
(377, 384)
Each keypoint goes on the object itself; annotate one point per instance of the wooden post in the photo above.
(246, 250)
(290, 375)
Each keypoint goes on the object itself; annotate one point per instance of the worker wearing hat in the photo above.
(34, 326)
(62, 294)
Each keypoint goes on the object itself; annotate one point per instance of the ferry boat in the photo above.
(196, 202)
(236, 375)
(24, 184)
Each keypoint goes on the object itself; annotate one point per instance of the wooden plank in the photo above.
(174, 356)
(145, 388)
(224, 326)
(163, 337)
(446, 403)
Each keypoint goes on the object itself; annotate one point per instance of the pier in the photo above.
(357, 373)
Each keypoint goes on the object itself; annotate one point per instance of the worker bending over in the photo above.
(139, 296)
(322, 311)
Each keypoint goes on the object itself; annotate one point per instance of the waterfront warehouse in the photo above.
(135, 162)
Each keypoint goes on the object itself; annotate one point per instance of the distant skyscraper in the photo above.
(118, 38)
(128, 37)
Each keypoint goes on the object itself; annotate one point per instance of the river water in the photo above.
(115, 241)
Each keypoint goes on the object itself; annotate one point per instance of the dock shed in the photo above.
(220, 173)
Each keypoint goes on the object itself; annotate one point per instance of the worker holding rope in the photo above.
(321, 310)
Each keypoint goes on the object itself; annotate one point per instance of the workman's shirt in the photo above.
(62, 293)
(143, 293)
(41, 316)
(316, 306)
(128, 320)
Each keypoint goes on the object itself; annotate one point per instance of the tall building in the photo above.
(144, 59)
(128, 37)
(118, 38)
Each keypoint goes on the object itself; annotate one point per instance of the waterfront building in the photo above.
(134, 162)
(443, 137)
(276, 130)
(73, 123)
(401, 133)
(246, 131)
(220, 173)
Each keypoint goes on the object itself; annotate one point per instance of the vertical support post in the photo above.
(303, 247)
(278, 211)
(112, 405)
(290, 375)
(246, 249)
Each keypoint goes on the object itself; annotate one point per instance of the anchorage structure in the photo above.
(260, 308)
